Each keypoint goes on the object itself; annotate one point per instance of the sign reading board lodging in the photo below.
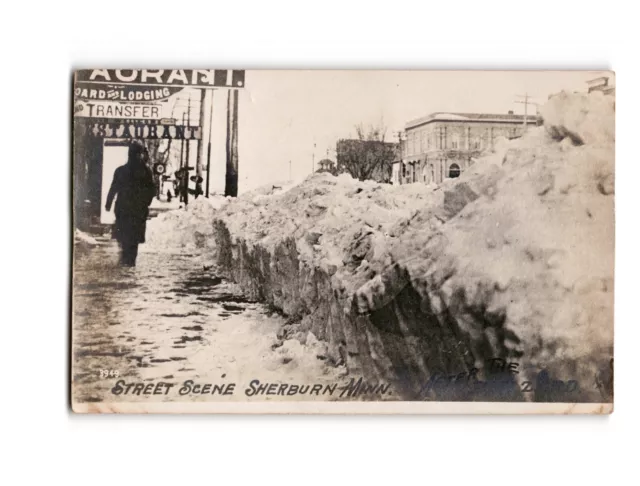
(103, 92)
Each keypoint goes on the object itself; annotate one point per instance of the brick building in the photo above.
(443, 145)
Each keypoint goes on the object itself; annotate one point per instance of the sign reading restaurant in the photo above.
(140, 130)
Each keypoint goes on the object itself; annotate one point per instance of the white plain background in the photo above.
(43, 443)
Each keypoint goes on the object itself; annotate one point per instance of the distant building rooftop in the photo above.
(601, 81)
(469, 117)
(326, 165)
(600, 84)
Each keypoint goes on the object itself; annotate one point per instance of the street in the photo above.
(171, 319)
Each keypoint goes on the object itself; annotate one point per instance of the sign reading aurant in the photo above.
(142, 130)
(183, 78)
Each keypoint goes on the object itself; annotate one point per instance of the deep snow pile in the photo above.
(182, 228)
(323, 215)
(191, 227)
(512, 260)
(523, 269)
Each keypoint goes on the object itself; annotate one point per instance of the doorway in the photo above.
(114, 155)
(454, 171)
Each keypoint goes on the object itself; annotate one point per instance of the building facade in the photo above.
(443, 145)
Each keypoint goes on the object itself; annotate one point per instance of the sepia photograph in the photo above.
(335, 243)
(342, 241)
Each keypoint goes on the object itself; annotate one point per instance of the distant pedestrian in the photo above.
(134, 190)
(181, 181)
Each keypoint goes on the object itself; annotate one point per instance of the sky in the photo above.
(282, 114)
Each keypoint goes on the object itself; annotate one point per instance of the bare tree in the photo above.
(368, 156)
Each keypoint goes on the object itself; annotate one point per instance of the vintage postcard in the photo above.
(342, 241)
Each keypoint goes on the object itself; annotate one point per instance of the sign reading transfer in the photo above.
(141, 130)
(194, 78)
(107, 109)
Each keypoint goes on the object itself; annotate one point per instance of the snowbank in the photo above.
(323, 215)
(513, 260)
(584, 118)
(189, 228)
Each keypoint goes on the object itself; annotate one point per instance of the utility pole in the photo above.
(182, 144)
(186, 186)
(526, 103)
(209, 144)
(231, 180)
(200, 145)
(313, 159)
(234, 143)
(182, 169)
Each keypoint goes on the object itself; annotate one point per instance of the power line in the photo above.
(526, 103)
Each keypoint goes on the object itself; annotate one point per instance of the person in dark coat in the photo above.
(134, 190)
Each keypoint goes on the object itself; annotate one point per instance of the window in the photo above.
(454, 171)
(454, 142)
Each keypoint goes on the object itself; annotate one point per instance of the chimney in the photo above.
(510, 112)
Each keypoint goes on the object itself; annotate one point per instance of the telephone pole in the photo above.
(209, 144)
(200, 145)
(526, 103)
(186, 186)
(182, 143)
(231, 179)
